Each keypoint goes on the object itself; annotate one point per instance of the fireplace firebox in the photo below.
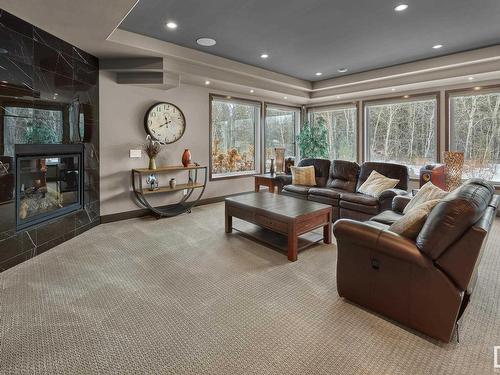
(49, 182)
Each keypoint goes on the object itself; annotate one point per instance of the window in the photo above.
(474, 125)
(402, 132)
(234, 131)
(31, 125)
(341, 123)
(279, 131)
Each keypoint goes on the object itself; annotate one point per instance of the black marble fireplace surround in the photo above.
(49, 94)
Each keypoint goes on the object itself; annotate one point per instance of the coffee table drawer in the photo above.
(277, 225)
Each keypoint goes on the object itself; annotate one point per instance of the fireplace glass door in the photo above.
(47, 187)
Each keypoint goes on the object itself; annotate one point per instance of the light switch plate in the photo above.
(135, 153)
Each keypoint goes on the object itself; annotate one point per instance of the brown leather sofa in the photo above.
(424, 284)
(337, 183)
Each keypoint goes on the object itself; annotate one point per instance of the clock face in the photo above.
(165, 122)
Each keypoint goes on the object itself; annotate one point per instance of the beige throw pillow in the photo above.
(426, 193)
(303, 176)
(412, 222)
(376, 183)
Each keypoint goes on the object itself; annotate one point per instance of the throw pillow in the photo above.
(376, 183)
(303, 176)
(412, 222)
(428, 192)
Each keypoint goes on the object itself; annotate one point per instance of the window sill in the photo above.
(228, 176)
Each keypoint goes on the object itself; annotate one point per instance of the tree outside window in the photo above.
(341, 124)
(234, 127)
(279, 131)
(402, 132)
(475, 131)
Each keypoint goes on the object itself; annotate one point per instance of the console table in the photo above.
(175, 209)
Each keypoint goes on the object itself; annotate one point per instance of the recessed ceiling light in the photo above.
(206, 42)
(477, 88)
(285, 97)
(406, 96)
(228, 97)
(207, 83)
(252, 91)
(393, 89)
(171, 25)
(437, 46)
(318, 74)
(338, 96)
(4, 81)
(342, 70)
(264, 56)
(401, 7)
(471, 78)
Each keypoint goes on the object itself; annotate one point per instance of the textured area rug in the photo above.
(179, 296)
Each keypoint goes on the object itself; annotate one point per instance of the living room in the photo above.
(249, 187)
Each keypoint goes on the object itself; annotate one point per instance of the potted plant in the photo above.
(313, 140)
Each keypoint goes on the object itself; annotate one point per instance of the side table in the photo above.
(269, 180)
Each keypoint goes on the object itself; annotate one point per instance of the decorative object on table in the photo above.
(172, 183)
(152, 181)
(434, 173)
(313, 140)
(187, 200)
(272, 169)
(165, 122)
(454, 162)
(152, 148)
(186, 157)
(289, 162)
(279, 153)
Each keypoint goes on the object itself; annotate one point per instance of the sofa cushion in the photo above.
(410, 224)
(359, 198)
(376, 184)
(325, 192)
(343, 175)
(321, 169)
(334, 202)
(297, 189)
(426, 193)
(396, 171)
(387, 217)
(453, 215)
(303, 176)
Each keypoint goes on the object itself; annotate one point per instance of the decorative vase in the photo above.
(152, 163)
(172, 183)
(186, 157)
(272, 170)
(454, 164)
(279, 153)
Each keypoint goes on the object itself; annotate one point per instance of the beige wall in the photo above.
(122, 109)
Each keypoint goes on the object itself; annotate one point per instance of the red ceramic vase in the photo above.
(186, 157)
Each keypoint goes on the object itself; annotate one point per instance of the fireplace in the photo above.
(49, 182)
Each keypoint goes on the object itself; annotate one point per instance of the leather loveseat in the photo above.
(425, 283)
(337, 183)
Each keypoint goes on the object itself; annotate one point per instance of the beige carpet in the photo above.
(179, 296)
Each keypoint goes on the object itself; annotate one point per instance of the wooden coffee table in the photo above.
(286, 216)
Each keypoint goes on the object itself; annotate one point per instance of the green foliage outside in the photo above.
(37, 133)
(313, 140)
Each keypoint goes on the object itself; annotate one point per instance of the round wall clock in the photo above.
(165, 122)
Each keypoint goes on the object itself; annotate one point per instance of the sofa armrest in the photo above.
(400, 202)
(386, 197)
(284, 179)
(378, 240)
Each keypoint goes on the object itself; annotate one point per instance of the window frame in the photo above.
(296, 129)
(257, 136)
(436, 95)
(467, 91)
(339, 106)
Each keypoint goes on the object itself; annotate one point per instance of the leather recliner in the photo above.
(340, 188)
(424, 284)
